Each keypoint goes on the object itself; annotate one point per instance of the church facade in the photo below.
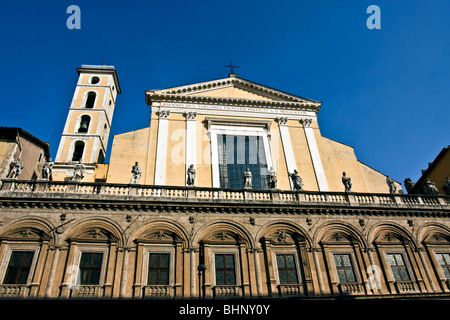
(230, 192)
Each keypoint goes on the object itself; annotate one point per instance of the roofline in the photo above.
(242, 79)
(430, 168)
(101, 70)
(23, 133)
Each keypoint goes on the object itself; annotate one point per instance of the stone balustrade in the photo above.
(13, 291)
(100, 191)
(406, 286)
(287, 290)
(351, 288)
(158, 291)
(224, 291)
(87, 291)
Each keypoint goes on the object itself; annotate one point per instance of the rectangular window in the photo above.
(344, 267)
(444, 262)
(287, 271)
(225, 269)
(236, 154)
(398, 267)
(18, 267)
(90, 268)
(158, 269)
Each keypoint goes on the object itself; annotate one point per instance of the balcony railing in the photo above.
(290, 290)
(87, 291)
(351, 288)
(232, 291)
(157, 291)
(44, 188)
(13, 291)
(406, 286)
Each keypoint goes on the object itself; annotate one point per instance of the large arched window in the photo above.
(84, 123)
(90, 100)
(78, 151)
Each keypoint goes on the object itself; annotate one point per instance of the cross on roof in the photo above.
(231, 66)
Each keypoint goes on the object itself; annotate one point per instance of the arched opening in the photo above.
(90, 101)
(78, 151)
(84, 124)
(95, 80)
(101, 157)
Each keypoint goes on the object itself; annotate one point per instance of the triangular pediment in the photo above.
(233, 92)
(233, 88)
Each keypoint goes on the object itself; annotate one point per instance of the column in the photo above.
(34, 286)
(193, 274)
(138, 276)
(333, 280)
(272, 284)
(384, 266)
(207, 274)
(66, 286)
(301, 247)
(110, 271)
(178, 286)
(190, 148)
(161, 147)
(315, 155)
(318, 270)
(422, 259)
(287, 146)
(376, 274)
(362, 267)
(258, 272)
(123, 280)
(415, 268)
(51, 277)
(244, 270)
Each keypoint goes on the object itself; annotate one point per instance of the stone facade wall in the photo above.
(59, 221)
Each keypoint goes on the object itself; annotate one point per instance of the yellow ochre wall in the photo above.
(140, 145)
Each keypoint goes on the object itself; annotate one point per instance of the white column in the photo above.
(315, 156)
(161, 148)
(215, 159)
(190, 148)
(287, 147)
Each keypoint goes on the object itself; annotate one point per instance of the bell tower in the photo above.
(86, 132)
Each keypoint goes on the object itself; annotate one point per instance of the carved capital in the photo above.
(190, 115)
(282, 121)
(306, 122)
(164, 114)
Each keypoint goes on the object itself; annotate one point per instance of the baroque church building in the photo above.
(230, 192)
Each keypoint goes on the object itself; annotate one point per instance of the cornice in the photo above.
(183, 94)
(119, 205)
(290, 105)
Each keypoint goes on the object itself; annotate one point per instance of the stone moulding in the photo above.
(105, 196)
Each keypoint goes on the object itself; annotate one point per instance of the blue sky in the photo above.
(385, 92)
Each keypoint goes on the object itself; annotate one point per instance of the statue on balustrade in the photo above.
(347, 181)
(191, 173)
(431, 187)
(47, 170)
(272, 180)
(78, 172)
(296, 180)
(447, 185)
(247, 179)
(16, 168)
(137, 172)
(391, 183)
